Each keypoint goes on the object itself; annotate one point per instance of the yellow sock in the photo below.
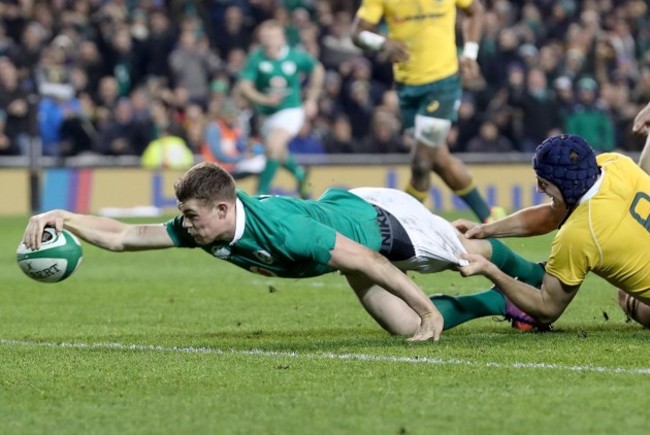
(417, 194)
(464, 191)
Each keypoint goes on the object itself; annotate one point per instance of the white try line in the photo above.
(322, 356)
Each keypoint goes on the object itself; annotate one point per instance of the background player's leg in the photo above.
(456, 175)
(420, 182)
(275, 146)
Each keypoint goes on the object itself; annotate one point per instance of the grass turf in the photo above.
(218, 350)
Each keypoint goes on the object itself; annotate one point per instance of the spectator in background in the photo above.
(467, 125)
(226, 143)
(122, 134)
(505, 57)
(384, 136)
(489, 140)
(7, 146)
(337, 43)
(329, 103)
(538, 110)
(89, 60)
(233, 33)
(77, 133)
(564, 97)
(7, 46)
(158, 45)
(339, 139)
(123, 60)
(305, 142)
(193, 64)
(194, 124)
(14, 106)
(32, 42)
(167, 152)
(589, 119)
(615, 98)
(359, 107)
(52, 112)
(235, 63)
(108, 94)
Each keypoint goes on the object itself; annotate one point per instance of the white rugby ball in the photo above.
(59, 256)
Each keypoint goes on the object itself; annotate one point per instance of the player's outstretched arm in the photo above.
(545, 304)
(531, 221)
(642, 121)
(350, 257)
(102, 232)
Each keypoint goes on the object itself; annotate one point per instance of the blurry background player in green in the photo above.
(421, 43)
(272, 80)
(370, 235)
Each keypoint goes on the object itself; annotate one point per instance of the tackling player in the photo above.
(600, 205)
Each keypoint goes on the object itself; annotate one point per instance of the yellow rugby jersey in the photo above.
(609, 233)
(428, 30)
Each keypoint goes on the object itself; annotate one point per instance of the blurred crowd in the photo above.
(116, 77)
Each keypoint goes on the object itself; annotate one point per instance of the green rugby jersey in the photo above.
(290, 237)
(283, 75)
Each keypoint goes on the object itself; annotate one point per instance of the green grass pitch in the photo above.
(178, 342)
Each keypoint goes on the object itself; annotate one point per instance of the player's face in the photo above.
(205, 222)
(552, 191)
(272, 41)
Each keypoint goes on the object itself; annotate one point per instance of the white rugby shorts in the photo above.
(290, 120)
(435, 240)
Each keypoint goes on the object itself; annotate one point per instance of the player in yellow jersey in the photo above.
(601, 206)
(421, 43)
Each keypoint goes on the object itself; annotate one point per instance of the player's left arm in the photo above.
(472, 26)
(545, 305)
(351, 257)
(314, 89)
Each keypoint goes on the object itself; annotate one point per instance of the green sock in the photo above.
(296, 170)
(459, 309)
(515, 265)
(476, 202)
(266, 177)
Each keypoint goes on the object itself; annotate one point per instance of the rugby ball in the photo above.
(59, 256)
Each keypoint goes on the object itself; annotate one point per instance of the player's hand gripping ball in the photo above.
(60, 255)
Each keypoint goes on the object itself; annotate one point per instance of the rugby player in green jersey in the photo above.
(370, 235)
(272, 80)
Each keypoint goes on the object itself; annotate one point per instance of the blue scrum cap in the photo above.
(567, 161)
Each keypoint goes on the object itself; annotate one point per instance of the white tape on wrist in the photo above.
(470, 50)
(371, 40)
